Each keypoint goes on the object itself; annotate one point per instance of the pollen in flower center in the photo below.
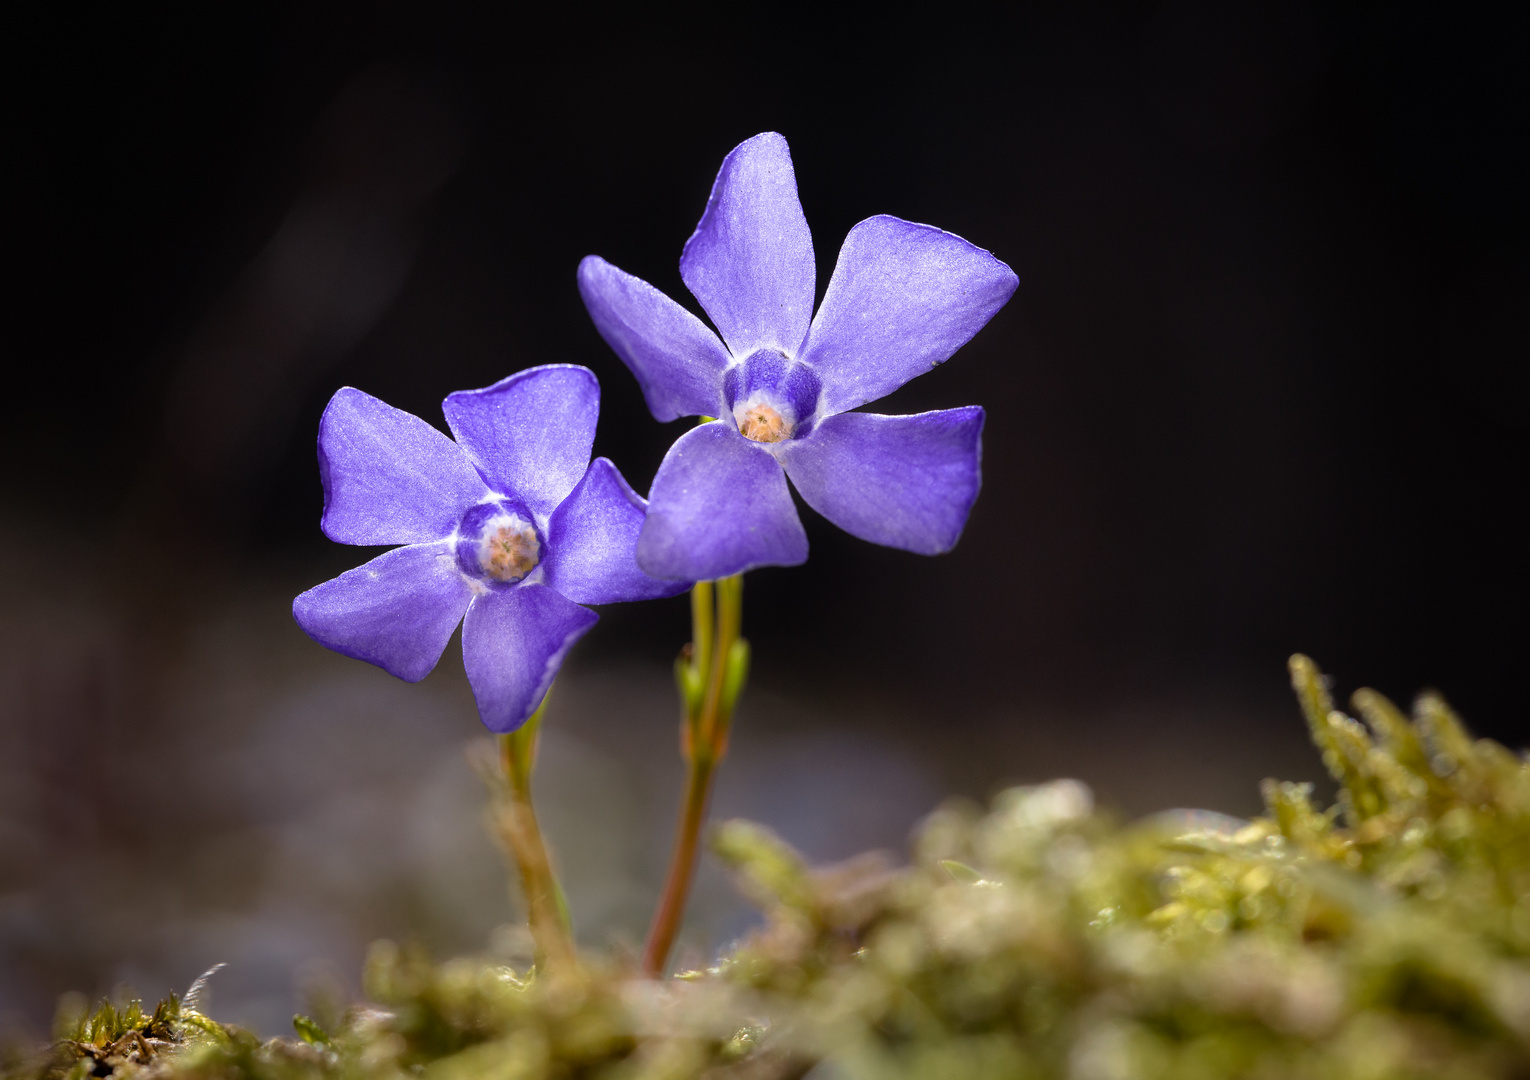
(761, 423)
(509, 550)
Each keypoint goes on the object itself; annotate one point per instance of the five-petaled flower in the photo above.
(512, 526)
(902, 299)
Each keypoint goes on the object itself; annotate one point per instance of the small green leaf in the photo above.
(691, 682)
(961, 872)
(735, 675)
(309, 1031)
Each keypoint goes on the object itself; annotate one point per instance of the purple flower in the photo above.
(902, 299)
(512, 526)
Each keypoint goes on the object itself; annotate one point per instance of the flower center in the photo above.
(508, 550)
(771, 397)
(497, 545)
(761, 423)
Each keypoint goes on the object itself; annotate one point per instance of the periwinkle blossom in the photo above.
(508, 530)
(782, 382)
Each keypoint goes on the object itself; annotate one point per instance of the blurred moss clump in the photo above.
(1387, 936)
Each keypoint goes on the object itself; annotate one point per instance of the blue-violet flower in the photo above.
(902, 299)
(511, 526)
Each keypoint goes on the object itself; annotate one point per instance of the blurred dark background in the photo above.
(1262, 389)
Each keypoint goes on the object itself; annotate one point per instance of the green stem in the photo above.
(717, 709)
(701, 624)
(547, 911)
(718, 654)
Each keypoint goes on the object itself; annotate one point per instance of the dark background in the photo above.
(1261, 390)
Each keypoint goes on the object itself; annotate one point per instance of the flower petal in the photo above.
(719, 506)
(592, 543)
(513, 642)
(530, 434)
(389, 477)
(904, 481)
(397, 611)
(750, 260)
(903, 298)
(678, 361)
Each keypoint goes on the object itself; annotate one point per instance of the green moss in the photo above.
(1386, 936)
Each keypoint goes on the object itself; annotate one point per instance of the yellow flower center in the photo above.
(761, 423)
(509, 552)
